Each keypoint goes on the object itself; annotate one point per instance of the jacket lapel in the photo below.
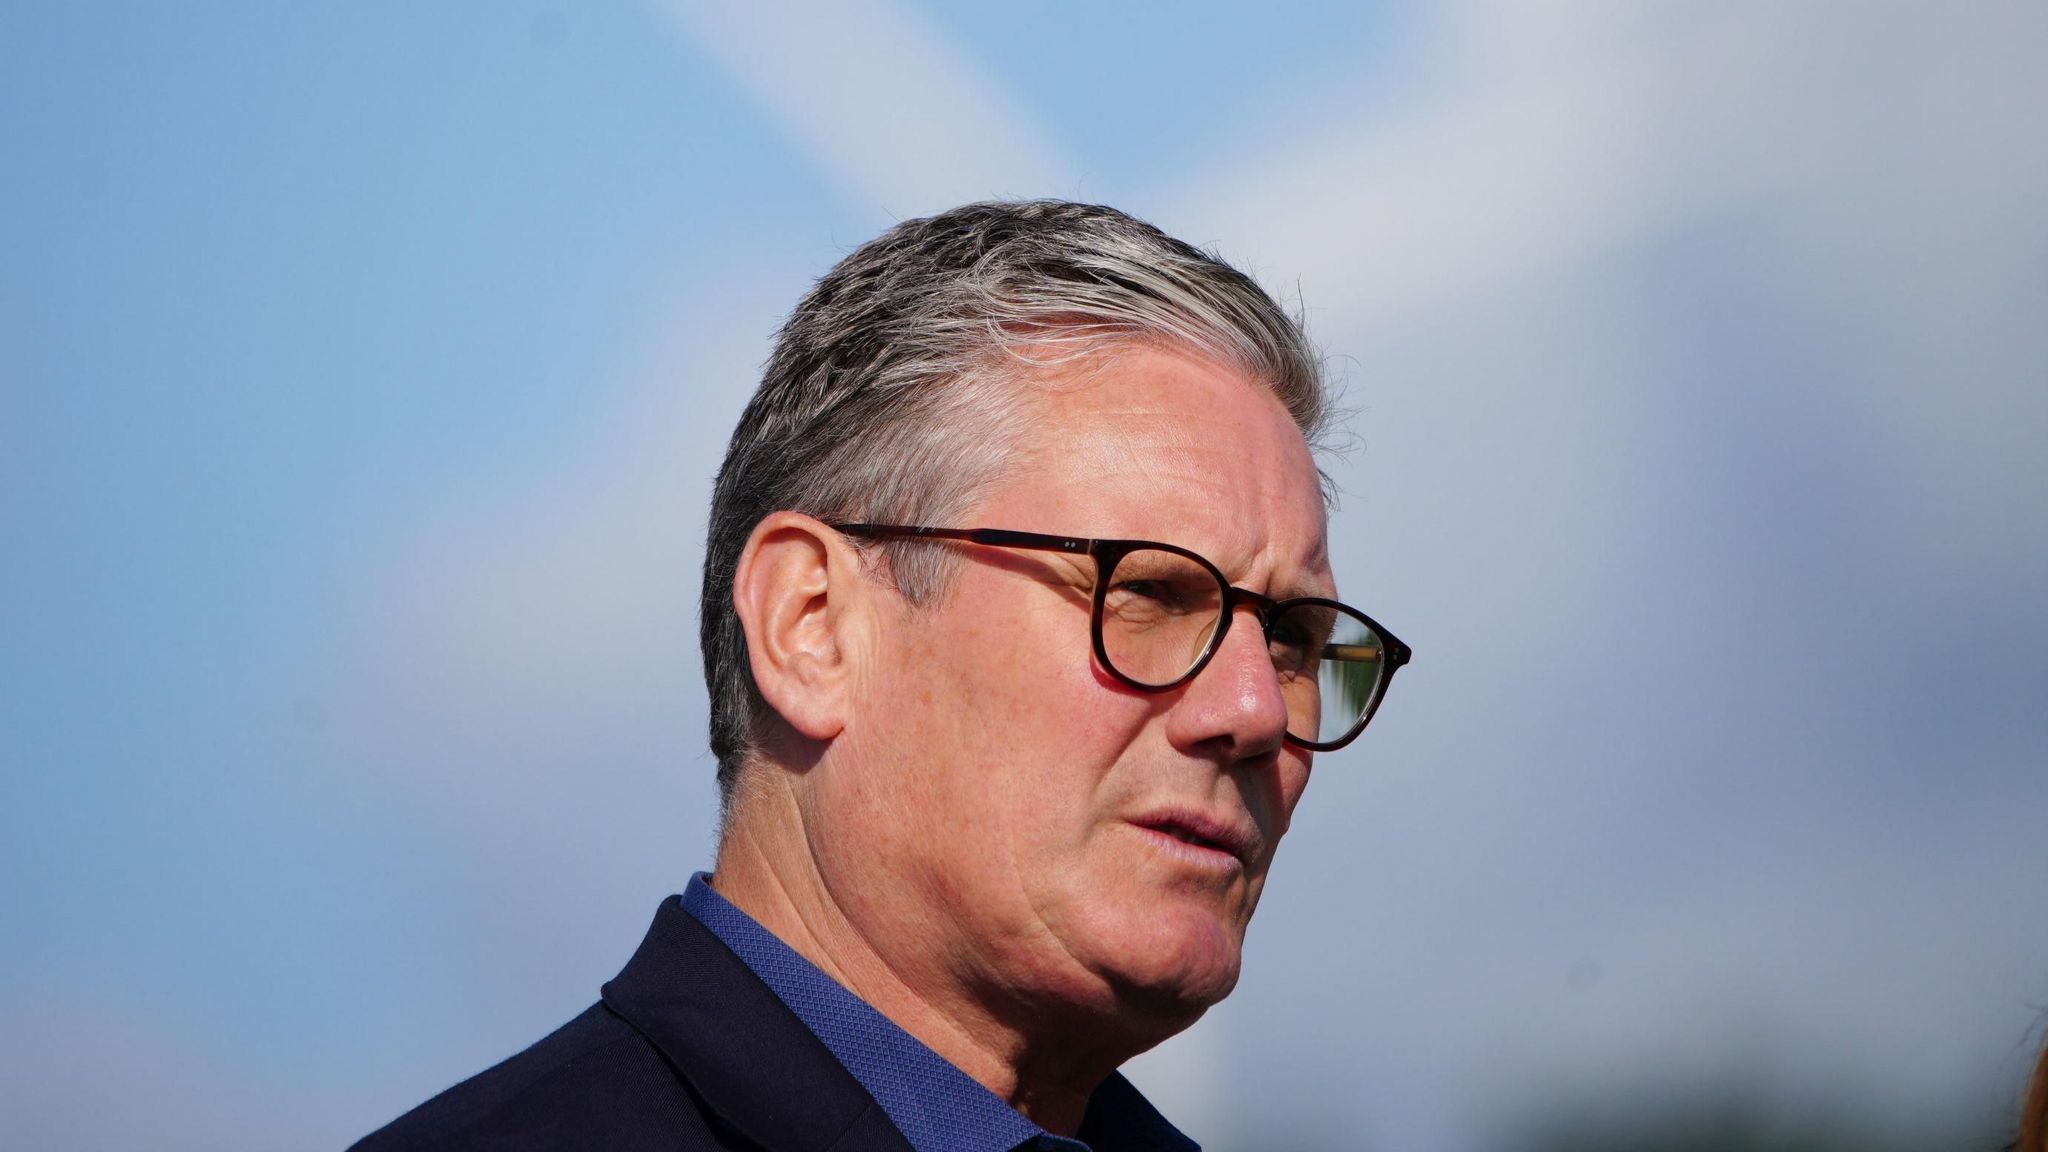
(746, 1054)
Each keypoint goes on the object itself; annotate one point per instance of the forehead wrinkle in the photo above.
(1102, 429)
(1243, 545)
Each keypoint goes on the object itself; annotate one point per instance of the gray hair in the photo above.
(897, 386)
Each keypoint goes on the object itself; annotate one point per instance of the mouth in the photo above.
(1208, 835)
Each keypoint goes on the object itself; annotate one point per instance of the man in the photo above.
(1019, 632)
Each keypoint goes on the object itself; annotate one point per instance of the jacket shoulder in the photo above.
(595, 1082)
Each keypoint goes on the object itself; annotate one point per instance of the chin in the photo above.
(1170, 959)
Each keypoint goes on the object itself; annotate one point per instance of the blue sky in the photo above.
(362, 371)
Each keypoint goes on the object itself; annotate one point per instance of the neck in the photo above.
(765, 869)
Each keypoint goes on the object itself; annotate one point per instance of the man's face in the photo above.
(1004, 816)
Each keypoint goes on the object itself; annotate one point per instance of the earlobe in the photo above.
(792, 589)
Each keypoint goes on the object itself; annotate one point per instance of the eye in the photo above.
(1297, 636)
(1177, 596)
(1289, 648)
(1287, 632)
(1157, 591)
(1154, 585)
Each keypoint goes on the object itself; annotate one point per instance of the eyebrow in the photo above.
(1297, 591)
(1073, 545)
(1319, 557)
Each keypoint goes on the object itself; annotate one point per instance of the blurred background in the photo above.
(363, 369)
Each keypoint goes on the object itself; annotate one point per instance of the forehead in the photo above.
(1156, 443)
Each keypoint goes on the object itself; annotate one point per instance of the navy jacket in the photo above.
(686, 1049)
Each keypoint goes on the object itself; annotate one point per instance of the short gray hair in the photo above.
(897, 386)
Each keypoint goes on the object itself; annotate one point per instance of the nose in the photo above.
(1233, 709)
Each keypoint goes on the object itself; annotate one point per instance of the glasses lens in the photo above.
(1159, 611)
(1331, 665)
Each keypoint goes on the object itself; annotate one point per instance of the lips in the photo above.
(1202, 830)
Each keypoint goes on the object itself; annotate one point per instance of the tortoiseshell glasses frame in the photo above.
(1168, 610)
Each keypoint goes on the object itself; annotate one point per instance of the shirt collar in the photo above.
(937, 1107)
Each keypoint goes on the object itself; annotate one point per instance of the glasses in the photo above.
(1160, 612)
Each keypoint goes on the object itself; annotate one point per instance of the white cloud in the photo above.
(1515, 473)
(1535, 444)
(887, 105)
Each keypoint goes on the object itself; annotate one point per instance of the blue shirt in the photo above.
(937, 1107)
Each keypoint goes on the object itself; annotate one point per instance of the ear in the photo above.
(800, 594)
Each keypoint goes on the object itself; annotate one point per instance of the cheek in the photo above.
(992, 706)
(1023, 685)
(969, 711)
(1294, 774)
(1273, 804)
(1035, 736)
